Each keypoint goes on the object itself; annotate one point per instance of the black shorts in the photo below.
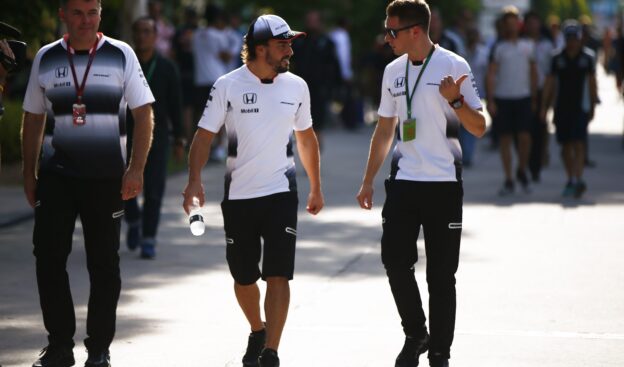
(513, 115)
(571, 127)
(272, 218)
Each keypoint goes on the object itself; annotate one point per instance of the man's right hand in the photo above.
(30, 188)
(365, 196)
(193, 189)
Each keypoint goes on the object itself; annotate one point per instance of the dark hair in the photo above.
(410, 12)
(145, 18)
(248, 53)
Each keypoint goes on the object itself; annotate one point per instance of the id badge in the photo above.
(409, 130)
(79, 113)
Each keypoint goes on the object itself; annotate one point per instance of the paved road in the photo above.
(540, 279)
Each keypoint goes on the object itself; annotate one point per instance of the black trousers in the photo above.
(437, 206)
(60, 199)
(154, 180)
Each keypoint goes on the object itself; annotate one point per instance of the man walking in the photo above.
(260, 104)
(511, 92)
(571, 84)
(75, 105)
(426, 95)
(164, 81)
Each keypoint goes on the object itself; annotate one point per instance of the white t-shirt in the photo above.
(513, 76)
(96, 149)
(435, 153)
(259, 119)
(208, 43)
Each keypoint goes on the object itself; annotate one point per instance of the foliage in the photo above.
(10, 126)
(564, 9)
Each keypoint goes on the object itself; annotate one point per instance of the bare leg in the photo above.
(524, 149)
(505, 150)
(568, 159)
(248, 297)
(276, 309)
(579, 158)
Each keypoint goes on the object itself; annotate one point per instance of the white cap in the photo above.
(269, 26)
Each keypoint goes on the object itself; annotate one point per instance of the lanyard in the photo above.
(80, 88)
(407, 95)
(150, 70)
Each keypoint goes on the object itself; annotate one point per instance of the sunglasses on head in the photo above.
(394, 32)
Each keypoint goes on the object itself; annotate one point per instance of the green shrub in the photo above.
(10, 126)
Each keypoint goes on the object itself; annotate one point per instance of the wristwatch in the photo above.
(457, 103)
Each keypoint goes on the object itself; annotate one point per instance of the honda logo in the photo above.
(399, 82)
(250, 98)
(61, 72)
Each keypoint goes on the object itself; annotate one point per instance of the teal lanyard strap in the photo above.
(150, 70)
(407, 95)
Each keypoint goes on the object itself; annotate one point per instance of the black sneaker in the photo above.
(55, 356)
(268, 358)
(579, 189)
(412, 349)
(524, 181)
(437, 360)
(507, 189)
(98, 359)
(133, 236)
(255, 344)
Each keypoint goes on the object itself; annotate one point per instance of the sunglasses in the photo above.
(394, 32)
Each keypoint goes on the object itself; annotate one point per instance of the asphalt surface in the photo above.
(539, 283)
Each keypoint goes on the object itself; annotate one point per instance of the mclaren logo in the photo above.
(399, 82)
(250, 98)
(61, 72)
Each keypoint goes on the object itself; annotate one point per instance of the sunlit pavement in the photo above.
(539, 283)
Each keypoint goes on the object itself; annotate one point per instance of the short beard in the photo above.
(279, 68)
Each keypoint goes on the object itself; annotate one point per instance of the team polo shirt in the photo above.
(96, 149)
(572, 77)
(259, 119)
(513, 75)
(435, 153)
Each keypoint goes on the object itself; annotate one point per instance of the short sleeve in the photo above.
(387, 105)
(215, 111)
(469, 87)
(136, 90)
(303, 117)
(34, 100)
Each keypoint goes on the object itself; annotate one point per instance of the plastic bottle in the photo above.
(196, 219)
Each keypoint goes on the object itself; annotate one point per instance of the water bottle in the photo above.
(196, 219)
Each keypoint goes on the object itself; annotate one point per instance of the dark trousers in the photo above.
(437, 206)
(154, 180)
(60, 200)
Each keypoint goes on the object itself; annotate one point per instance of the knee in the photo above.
(277, 281)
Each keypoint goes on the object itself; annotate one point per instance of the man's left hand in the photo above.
(132, 184)
(315, 202)
(449, 88)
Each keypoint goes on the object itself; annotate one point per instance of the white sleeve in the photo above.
(216, 108)
(387, 105)
(34, 100)
(303, 117)
(136, 90)
(469, 87)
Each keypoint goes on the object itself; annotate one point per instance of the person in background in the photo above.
(477, 57)
(166, 31)
(183, 55)
(571, 85)
(316, 62)
(511, 91)
(544, 49)
(164, 81)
